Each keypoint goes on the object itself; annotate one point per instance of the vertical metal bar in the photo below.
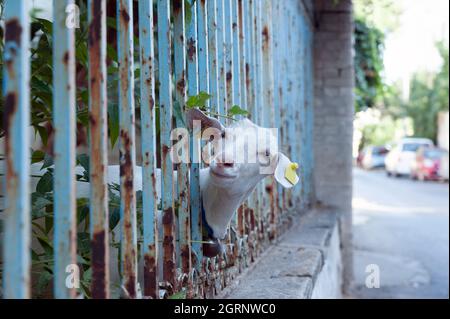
(259, 107)
(229, 53)
(220, 27)
(251, 107)
(250, 57)
(184, 219)
(64, 148)
(242, 14)
(127, 146)
(165, 98)
(236, 54)
(276, 57)
(241, 28)
(203, 71)
(99, 224)
(148, 132)
(268, 99)
(16, 77)
(283, 89)
(195, 195)
(213, 48)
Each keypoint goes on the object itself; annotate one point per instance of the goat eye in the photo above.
(223, 134)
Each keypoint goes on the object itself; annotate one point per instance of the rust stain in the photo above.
(124, 16)
(150, 277)
(191, 45)
(181, 84)
(168, 216)
(177, 6)
(13, 31)
(100, 284)
(10, 111)
(95, 26)
(168, 245)
(229, 76)
(66, 58)
(266, 38)
(247, 77)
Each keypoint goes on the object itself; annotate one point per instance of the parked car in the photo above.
(427, 163)
(374, 157)
(399, 159)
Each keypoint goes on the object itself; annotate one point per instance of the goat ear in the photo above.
(285, 172)
(197, 115)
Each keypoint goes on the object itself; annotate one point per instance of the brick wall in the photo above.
(333, 128)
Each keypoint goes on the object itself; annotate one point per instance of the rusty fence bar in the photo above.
(127, 150)
(220, 28)
(99, 218)
(184, 218)
(16, 255)
(195, 195)
(213, 55)
(256, 54)
(148, 145)
(64, 151)
(165, 105)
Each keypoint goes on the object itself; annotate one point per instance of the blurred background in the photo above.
(400, 147)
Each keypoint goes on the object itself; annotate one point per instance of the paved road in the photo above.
(403, 227)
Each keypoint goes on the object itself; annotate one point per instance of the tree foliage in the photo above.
(369, 42)
(428, 97)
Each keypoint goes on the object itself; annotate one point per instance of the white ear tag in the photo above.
(290, 173)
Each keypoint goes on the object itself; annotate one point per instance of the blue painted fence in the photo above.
(253, 53)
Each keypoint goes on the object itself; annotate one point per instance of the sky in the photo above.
(411, 47)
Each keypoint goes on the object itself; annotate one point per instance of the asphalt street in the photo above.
(402, 227)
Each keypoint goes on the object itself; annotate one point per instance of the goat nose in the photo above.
(224, 163)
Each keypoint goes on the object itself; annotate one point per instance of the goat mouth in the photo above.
(222, 175)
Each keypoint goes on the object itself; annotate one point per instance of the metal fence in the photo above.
(252, 53)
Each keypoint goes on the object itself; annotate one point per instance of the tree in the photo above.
(429, 96)
(368, 64)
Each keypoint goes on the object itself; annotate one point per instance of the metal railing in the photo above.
(252, 53)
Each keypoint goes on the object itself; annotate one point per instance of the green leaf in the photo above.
(179, 295)
(43, 134)
(198, 100)
(114, 217)
(48, 223)
(83, 161)
(236, 110)
(188, 11)
(45, 184)
(83, 243)
(46, 245)
(43, 281)
(113, 123)
(37, 156)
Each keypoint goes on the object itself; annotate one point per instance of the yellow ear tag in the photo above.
(290, 173)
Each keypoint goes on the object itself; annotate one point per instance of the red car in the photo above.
(427, 163)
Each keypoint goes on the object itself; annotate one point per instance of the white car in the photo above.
(402, 156)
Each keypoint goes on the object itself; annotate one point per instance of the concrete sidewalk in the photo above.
(305, 263)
